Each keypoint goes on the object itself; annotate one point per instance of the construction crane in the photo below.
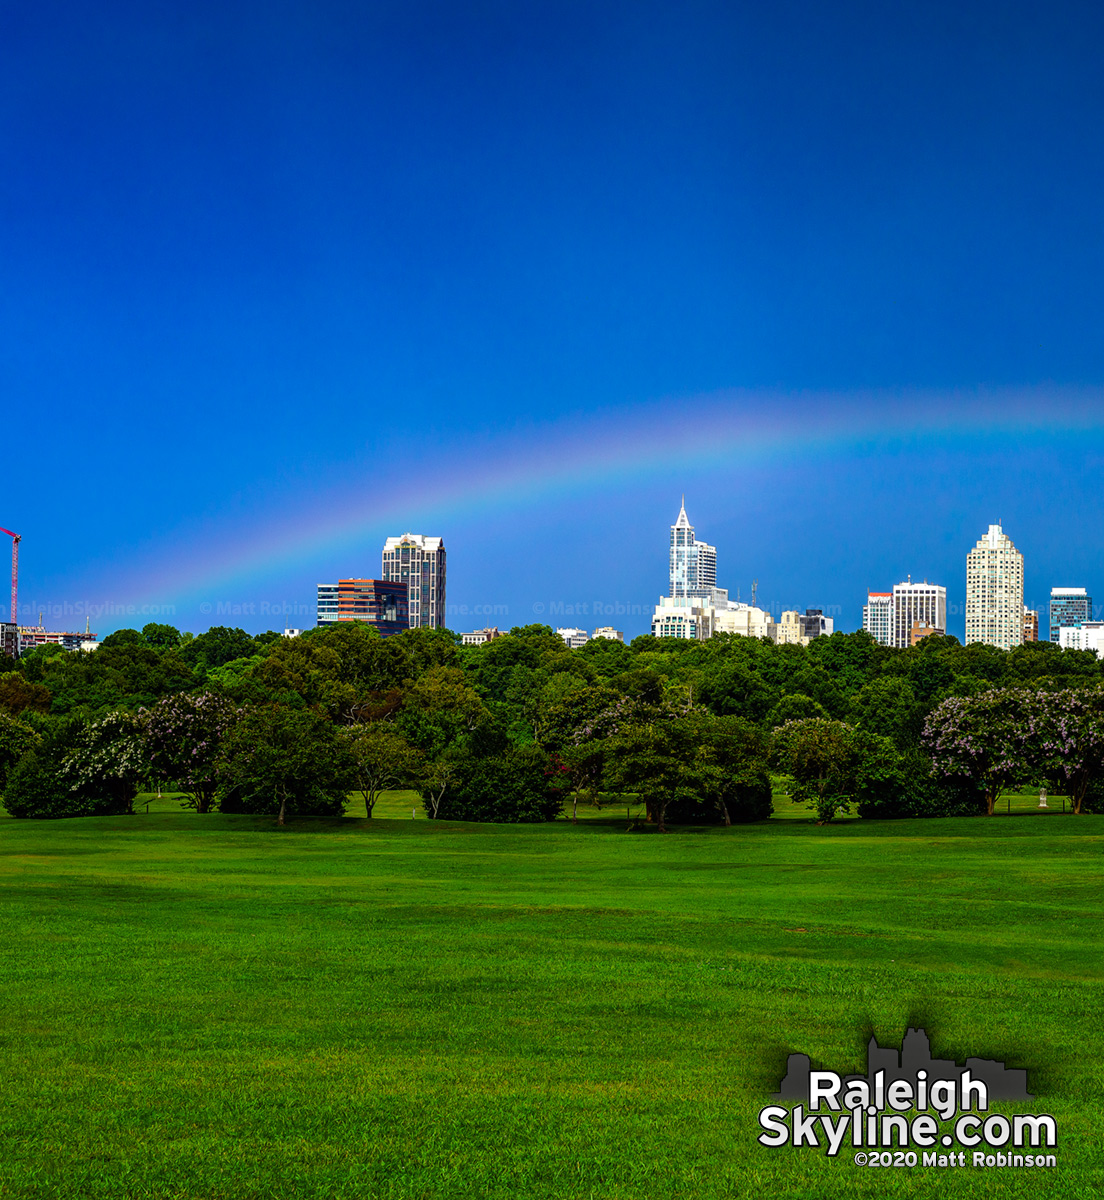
(15, 573)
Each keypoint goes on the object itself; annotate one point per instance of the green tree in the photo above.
(888, 706)
(15, 740)
(832, 765)
(20, 695)
(520, 784)
(284, 761)
(647, 761)
(218, 646)
(123, 637)
(735, 690)
(794, 707)
(382, 760)
(440, 710)
(161, 637)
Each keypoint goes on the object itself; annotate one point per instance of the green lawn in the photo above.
(212, 1007)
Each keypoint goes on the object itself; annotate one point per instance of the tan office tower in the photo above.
(994, 591)
(419, 562)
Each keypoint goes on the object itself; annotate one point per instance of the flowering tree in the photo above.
(184, 734)
(984, 738)
(109, 760)
(1066, 731)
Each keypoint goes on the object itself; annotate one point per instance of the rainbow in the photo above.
(536, 462)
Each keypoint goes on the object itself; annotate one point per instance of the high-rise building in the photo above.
(574, 638)
(1070, 608)
(994, 591)
(419, 562)
(924, 602)
(878, 617)
(890, 616)
(1031, 624)
(9, 639)
(377, 602)
(693, 563)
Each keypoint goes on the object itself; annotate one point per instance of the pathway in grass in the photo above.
(211, 1007)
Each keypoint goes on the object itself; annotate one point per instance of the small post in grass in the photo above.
(1042, 798)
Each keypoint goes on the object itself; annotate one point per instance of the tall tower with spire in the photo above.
(693, 564)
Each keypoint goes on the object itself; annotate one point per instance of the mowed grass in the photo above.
(214, 1007)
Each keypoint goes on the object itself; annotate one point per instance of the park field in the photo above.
(397, 1008)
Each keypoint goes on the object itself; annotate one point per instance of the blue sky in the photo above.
(279, 279)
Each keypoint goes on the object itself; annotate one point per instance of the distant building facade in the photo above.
(878, 617)
(789, 629)
(1031, 624)
(574, 638)
(419, 562)
(9, 639)
(921, 630)
(815, 624)
(480, 637)
(1070, 608)
(912, 602)
(889, 616)
(1089, 635)
(682, 619)
(608, 631)
(380, 603)
(994, 591)
(744, 620)
(31, 636)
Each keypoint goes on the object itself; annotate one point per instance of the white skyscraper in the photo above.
(994, 591)
(419, 562)
(693, 563)
(924, 603)
(878, 617)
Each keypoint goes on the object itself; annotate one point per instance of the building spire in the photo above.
(682, 522)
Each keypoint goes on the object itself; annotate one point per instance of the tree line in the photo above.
(523, 728)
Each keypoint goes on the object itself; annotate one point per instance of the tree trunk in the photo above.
(283, 808)
(575, 809)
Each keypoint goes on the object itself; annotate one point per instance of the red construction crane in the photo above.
(15, 573)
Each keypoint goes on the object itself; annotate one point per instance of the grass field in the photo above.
(212, 1007)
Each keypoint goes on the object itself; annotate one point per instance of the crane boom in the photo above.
(15, 537)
